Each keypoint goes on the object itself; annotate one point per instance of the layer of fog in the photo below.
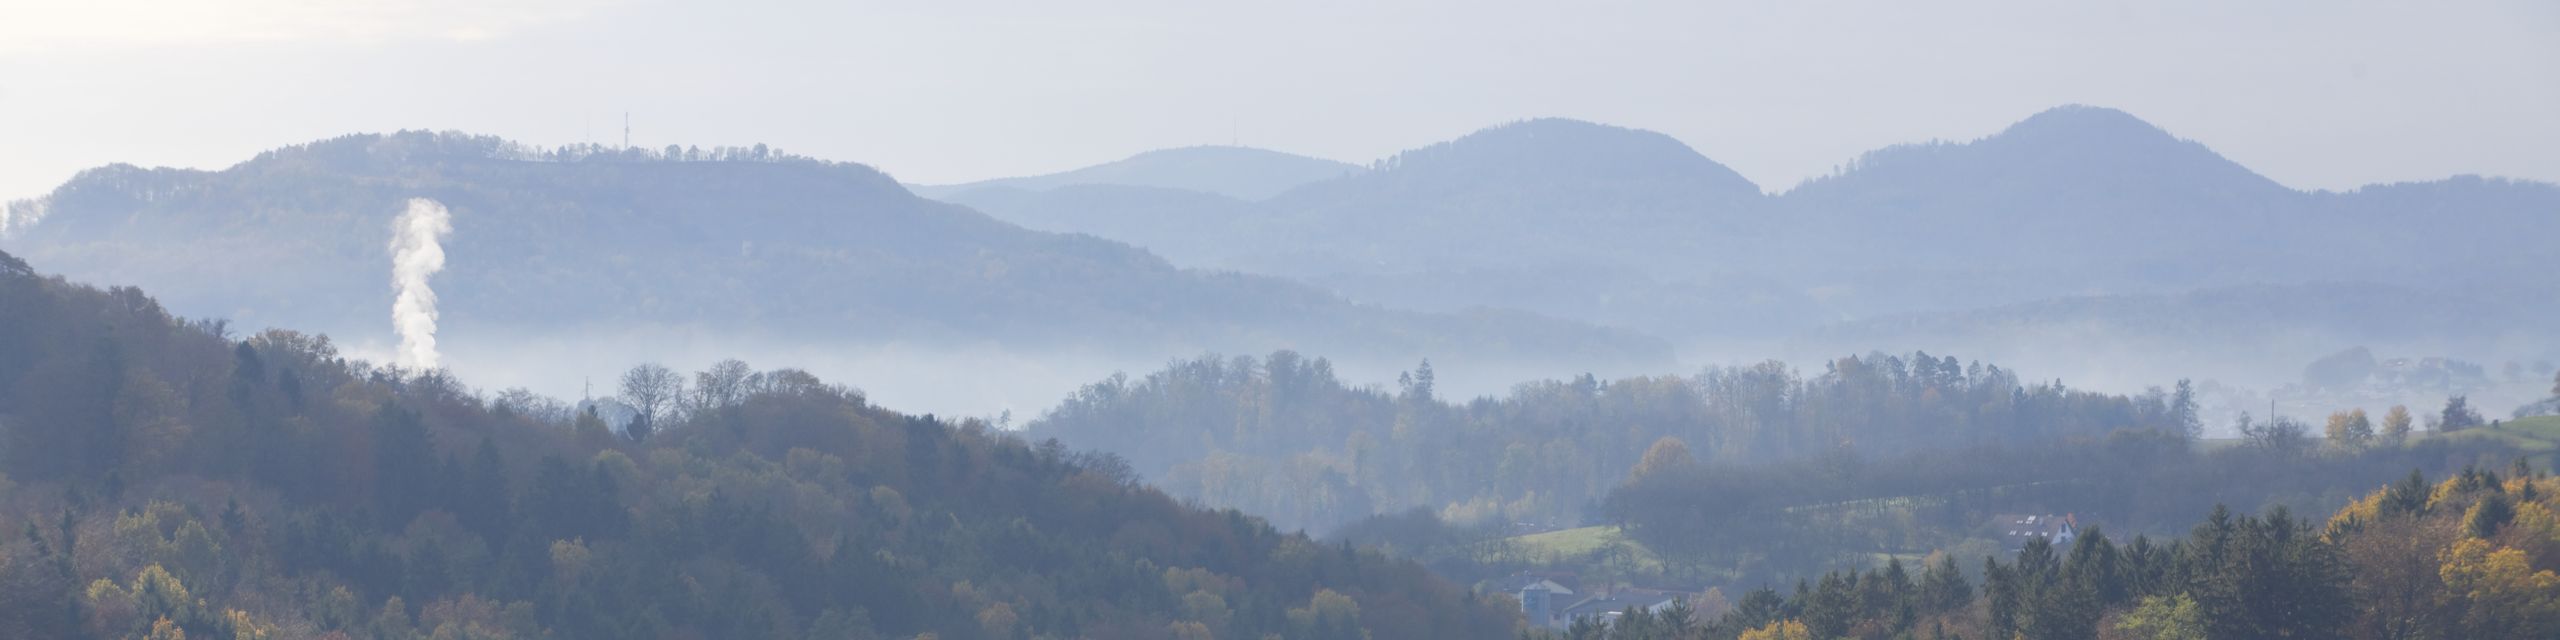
(2259, 376)
(990, 381)
(980, 381)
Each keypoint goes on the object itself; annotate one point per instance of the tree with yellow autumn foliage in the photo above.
(2477, 557)
(1780, 630)
(2350, 429)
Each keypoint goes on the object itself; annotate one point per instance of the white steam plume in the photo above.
(416, 253)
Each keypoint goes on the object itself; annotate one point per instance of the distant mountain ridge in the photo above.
(1243, 173)
(1633, 229)
(1536, 191)
(2094, 187)
(743, 240)
(1170, 221)
(2086, 155)
(1550, 150)
(1583, 223)
(2071, 185)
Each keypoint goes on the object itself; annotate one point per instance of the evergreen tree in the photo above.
(2183, 413)
(2065, 610)
(1895, 596)
(2407, 497)
(483, 504)
(2096, 565)
(2458, 414)
(1943, 586)
(1831, 608)
(2485, 517)
(2274, 579)
(1758, 608)
(404, 465)
(2001, 595)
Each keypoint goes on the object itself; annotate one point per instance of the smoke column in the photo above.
(416, 253)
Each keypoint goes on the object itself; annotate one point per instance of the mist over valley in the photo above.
(1032, 321)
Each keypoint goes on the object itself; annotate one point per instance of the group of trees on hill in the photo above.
(1744, 524)
(2474, 556)
(455, 144)
(164, 478)
(2354, 429)
(1283, 436)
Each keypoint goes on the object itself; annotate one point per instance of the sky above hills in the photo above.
(2314, 95)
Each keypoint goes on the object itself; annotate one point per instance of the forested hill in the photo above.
(1284, 437)
(1633, 229)
(1533, 194)
(2084, 183)
(2100, 199)
(2476, 555)
(166, 476)
(741, 241)
(1168, 222)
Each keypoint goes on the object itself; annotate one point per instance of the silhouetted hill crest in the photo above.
(2067, 152)
(1543, 152)
(745, 240)
(1243, 173)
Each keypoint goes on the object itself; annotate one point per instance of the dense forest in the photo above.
(1737, 524)
(2472, 556)
(166, 479)
(1733, 477)
(1284, 437)
(1678, 523)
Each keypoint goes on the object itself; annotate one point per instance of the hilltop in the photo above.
(1243, 173)
(162, 473)
(747, 242)
(1633, 229)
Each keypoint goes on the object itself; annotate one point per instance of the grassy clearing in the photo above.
(1574, 543)
(2538, 437)
(2209, 445)
(1571, 542)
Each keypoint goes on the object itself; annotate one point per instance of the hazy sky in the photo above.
(2314, 94)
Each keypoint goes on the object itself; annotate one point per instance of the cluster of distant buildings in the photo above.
(2016, 530)
(1556, 600)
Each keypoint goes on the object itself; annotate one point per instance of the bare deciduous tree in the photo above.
(652, 390)
(725, 384)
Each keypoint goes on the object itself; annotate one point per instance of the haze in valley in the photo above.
(1134, 319)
